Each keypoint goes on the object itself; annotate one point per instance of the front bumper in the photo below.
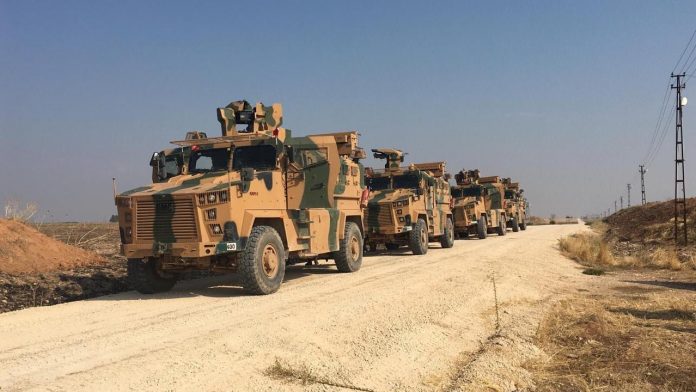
(180, 249)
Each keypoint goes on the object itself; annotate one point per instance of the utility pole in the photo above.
(679, 199)
(113, 185)
(642, 170)
(628, 186)
(615, 206)
(621, 199)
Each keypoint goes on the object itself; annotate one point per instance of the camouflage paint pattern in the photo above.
(202, 220)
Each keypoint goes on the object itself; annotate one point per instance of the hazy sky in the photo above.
(560, 95)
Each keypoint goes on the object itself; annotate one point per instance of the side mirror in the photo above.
(447, 176)
(248, 174)
(154, 160)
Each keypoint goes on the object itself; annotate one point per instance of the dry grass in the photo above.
(636, 343)
(22, 212)
(587, 249)
(593, 250)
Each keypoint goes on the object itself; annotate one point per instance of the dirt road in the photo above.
(402, 322)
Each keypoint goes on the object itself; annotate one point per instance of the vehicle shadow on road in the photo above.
(221, 286)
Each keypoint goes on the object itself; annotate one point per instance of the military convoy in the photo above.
(258, 198)
(408, 205)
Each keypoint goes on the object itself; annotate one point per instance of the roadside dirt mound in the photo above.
(24, 249)
(652, 223)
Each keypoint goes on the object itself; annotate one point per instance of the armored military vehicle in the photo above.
(251, 201)
(408, 205)
(515, 205)
(496, 192)
(473, 212)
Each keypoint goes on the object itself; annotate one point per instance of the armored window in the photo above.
(171, 166)
(407, 181)
(464, 192)
(261, 157)
(509, 194)
(379, 183)
(209, 160)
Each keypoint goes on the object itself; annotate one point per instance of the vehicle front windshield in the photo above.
(261, 157)
(466, 192)
(212, 160)
(510, 195)
(406, 181)
(379, 183)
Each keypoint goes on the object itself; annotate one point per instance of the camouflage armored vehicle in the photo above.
(515, 205)
(473, 212)
(250, 201)
(496, 209)
(408, 205)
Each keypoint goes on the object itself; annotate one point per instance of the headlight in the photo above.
(211, 214)
(211, 198)
(399, 212)
(223, 196)
(201, 198)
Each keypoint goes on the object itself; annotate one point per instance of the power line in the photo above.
(661, 140)
(684, 51)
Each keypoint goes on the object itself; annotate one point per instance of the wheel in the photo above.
(350, 250)
(418, 238)
(447, 239)
(145, 277)
(482, 228)
(515, 225)
(501, 229)
(392, 246)
(262, 264)
(523, 225)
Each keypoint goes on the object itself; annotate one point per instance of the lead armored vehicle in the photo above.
(408, 205)
(250, 201)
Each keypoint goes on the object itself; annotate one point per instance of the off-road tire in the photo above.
(418, 238)
(145, 279)
(482, 227)
(257, 271)
(349, 256)
(515, 225)
(523, 226)
(501, 229)
(447, 239)
(392, 246)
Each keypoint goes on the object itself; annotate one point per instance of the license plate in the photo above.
(231, 246)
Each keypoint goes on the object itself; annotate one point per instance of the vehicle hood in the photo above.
(186, 184)
(390, 196)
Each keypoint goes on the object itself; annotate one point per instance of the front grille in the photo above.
(165, 220)
(379, 216)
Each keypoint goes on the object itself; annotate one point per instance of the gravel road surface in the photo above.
(402, 322)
